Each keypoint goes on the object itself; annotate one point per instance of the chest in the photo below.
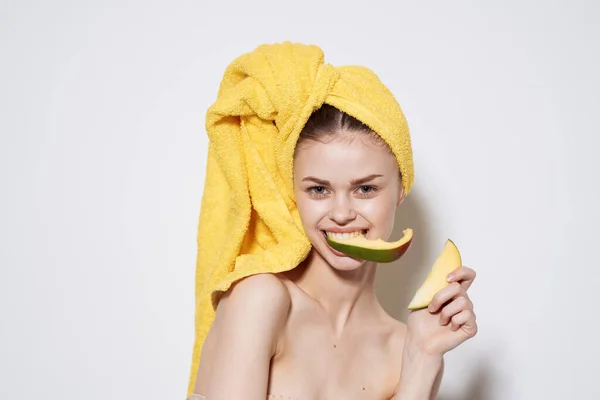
(313, 364)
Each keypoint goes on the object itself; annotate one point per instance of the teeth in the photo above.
(342, 236)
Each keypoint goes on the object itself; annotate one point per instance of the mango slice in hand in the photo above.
(377, 250)
(446, 262)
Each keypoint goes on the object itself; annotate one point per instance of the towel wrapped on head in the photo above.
(249, 222)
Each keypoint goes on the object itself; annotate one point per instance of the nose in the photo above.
(342, 212)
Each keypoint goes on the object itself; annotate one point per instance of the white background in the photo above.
(102, 154)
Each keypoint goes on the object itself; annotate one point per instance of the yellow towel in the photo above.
(248, 219)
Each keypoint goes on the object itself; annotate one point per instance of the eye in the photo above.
(367, 190)
(317, 191)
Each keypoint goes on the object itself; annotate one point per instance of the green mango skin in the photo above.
(369, 254)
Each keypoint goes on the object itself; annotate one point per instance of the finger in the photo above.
(464, 275)
(448, 293)
(465, 320)
(456, 306)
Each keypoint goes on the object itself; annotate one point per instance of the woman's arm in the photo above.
(437, 383)
(250, 318)
(421, 376)
(448, 321)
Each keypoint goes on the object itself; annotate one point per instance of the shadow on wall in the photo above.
(397, 282)
(479, 384)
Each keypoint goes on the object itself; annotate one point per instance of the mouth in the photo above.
(344, 235)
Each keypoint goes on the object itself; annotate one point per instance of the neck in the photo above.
(344, 296)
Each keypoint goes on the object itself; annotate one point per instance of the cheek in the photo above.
(311, 212)
(381, 213)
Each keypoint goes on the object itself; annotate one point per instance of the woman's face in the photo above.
(346, 186)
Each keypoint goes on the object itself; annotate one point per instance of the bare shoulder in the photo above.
(398, 330)
(257, 299)
(243, 338)
(394, 335)
(259, 289)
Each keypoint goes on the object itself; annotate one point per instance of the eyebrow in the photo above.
(359, 181)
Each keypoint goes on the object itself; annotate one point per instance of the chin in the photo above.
(344, 263)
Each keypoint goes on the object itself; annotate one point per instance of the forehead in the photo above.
(346, 157)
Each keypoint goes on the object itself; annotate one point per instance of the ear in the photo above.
(401, 195)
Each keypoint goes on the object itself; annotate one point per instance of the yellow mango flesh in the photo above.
(447, 261)
(376, 250)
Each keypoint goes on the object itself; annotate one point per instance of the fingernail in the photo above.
(450, 278)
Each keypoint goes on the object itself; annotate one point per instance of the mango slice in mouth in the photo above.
(448, 260)
(377, 250)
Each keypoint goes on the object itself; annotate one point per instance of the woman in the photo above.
(317, 331)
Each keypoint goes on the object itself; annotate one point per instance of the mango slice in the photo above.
(377, 250)
(447, 261)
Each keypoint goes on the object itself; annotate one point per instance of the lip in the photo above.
(340, 230)
(344, 230)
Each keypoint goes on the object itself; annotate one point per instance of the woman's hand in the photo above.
(447, 322)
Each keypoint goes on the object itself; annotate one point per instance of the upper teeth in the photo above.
(345, 235)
